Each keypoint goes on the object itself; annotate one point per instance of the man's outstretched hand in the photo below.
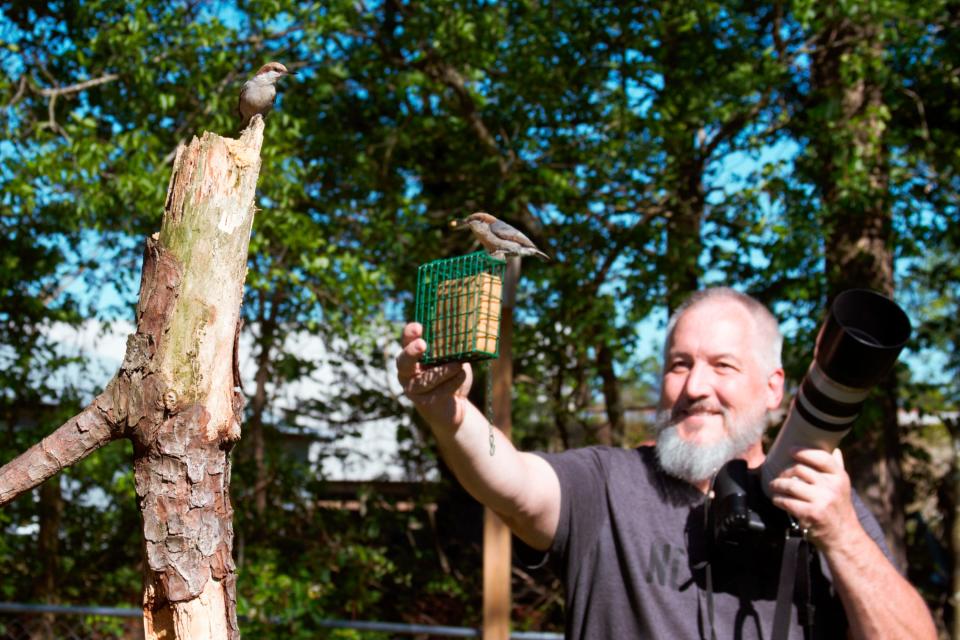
(439, 392)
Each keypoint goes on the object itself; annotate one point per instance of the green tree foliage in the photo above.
(650, 148)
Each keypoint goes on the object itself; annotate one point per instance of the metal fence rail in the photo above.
(28, 621)
(51, 622)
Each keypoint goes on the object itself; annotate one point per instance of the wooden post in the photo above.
(954, 429)
(497, 555)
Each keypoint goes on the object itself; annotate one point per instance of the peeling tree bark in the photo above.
(177, 393)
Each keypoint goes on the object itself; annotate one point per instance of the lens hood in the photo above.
(862, 337)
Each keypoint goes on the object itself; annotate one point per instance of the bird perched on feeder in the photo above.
(498, 237)
(260, 91)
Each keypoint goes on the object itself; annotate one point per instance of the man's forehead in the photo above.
(720, 321)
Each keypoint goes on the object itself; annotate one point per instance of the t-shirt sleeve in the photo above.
(871, 526)
(582, 494)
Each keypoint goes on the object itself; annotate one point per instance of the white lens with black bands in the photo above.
(820, 419)
(831, 388)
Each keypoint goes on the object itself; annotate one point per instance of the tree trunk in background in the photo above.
(683, 180)
(189, 404)
(48, 550)
(48, 539)
(611, 395)
(853, 185)
(257, 409)
(684, 245)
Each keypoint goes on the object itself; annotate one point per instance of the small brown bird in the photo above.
(260, 91)
(498, 237)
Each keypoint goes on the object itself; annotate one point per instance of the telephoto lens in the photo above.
(858, 345)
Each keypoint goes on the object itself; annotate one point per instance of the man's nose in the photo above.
(697, 384)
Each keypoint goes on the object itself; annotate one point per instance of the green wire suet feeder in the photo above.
(458, 305)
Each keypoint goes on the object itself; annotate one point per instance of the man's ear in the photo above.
(775, 389)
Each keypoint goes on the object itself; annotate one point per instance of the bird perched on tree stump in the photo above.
(497, 237)
(259, 92)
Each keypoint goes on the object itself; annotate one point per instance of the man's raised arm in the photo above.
(521, 487)
(879, 602)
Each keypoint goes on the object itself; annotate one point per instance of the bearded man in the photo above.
(626, 530)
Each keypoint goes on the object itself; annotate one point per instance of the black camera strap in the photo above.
(709, 577)
(794, 578)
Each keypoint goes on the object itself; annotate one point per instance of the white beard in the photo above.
(695, 462)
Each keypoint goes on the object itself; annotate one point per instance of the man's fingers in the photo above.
(838, 456)
(821, 460)
(431, 379)
(408, 358)
(446, 387)
(411, 331)
(805, 473)
(793, 487)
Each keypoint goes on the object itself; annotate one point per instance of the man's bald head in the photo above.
(769, 340)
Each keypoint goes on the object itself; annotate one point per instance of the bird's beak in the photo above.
(459, 225)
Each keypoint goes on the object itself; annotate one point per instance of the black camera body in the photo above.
(740, 515)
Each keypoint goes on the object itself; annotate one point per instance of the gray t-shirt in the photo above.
(630, 547)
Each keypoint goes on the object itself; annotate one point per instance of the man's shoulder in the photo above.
(606, 454)
(604, 462)
(643, 455)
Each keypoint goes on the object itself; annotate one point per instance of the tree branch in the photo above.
(73, 441)
(80, 86)
(21, 89)
(735, 124)
(445, 73)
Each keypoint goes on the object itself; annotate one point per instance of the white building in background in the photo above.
(370, 451)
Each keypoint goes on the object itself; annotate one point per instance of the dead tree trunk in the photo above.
(177, 394)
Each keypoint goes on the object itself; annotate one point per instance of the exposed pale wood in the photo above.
(190, 299)
(202, 618)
